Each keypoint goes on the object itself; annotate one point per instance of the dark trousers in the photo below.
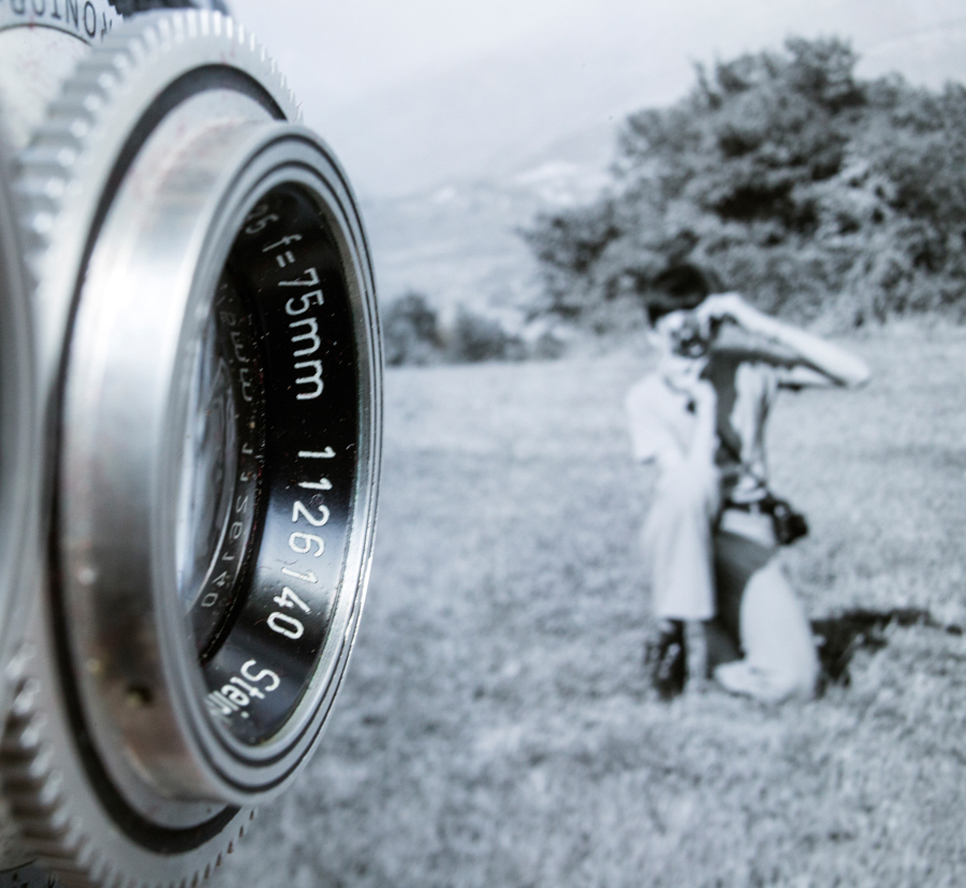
(736, 559)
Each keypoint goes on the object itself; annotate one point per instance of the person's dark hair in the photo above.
(679, 288)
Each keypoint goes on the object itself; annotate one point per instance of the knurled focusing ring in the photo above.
(18, 436)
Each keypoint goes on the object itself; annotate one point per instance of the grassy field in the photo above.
(497, 727)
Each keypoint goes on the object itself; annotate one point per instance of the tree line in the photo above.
(788, 178)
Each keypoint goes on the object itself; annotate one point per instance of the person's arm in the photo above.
(813, 353)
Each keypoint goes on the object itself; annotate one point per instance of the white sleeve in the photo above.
(800, 376)
(651, 437)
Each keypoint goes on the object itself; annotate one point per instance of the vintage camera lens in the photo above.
(689, 339)
(210, 374)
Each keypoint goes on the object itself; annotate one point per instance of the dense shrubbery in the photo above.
(800, 185)
(413, 334)
(410, 331)
(478, 338)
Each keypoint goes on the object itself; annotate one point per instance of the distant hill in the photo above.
(457, 243)
(449, 164)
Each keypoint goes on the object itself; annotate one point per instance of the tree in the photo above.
(794, 181)
(411, 331)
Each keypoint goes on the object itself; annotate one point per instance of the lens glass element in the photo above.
(221, 465)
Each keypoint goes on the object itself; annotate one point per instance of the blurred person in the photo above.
(711, 537)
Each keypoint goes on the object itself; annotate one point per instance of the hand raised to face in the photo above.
(720, 306)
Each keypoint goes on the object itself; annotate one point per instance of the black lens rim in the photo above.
(287, 263)
(259, 770)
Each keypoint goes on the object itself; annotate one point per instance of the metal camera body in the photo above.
(191, 409)
(693, 338)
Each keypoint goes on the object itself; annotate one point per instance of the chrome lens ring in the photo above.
(280, 238)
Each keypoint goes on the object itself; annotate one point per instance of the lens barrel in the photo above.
(271, 254)
(209, 379)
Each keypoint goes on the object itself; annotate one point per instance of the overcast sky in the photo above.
(413, 90)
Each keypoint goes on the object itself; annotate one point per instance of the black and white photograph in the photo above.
(656, 314)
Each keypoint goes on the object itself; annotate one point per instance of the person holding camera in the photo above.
(714, 528)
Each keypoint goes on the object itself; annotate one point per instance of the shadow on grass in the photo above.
(838, 638)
